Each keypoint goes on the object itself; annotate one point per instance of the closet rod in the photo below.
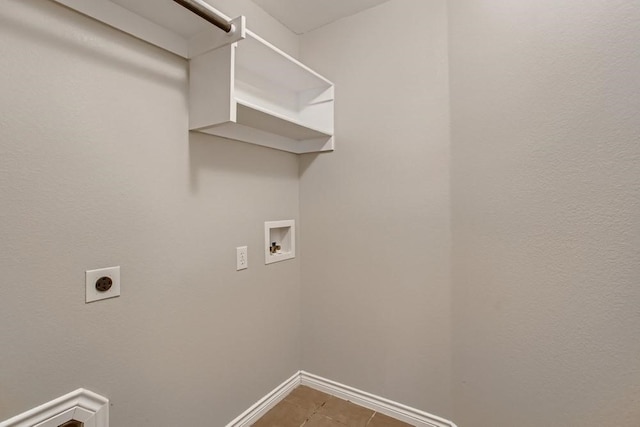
(205, 11)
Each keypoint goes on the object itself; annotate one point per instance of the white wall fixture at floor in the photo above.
(379, 404)
(279, 240)
(80, 405)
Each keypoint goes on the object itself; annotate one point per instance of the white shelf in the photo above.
(241, 86)
(271, 121)
(251, 91)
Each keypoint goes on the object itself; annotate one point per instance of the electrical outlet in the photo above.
(242, 260)
(102, 284)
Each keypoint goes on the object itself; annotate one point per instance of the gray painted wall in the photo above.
(97, 169)
(375, 213)
(538, 322)
(546, 212)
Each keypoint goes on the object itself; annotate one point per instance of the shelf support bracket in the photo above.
(230, 31)
(205, 41)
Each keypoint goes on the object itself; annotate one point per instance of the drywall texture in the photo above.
(97, 169)
(546, 212)
(375, 213)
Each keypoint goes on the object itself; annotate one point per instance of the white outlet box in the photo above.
(279, 241)
(92, 276)
(242, 258)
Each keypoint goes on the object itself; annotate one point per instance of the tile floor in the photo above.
(307, 407)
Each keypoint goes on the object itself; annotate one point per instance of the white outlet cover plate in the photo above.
(242, 258)
(91, 276)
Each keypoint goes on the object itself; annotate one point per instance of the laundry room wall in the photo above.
(375, 213)
(545, 98)
(97, 169)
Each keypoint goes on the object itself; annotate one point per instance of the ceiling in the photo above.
(302, 16)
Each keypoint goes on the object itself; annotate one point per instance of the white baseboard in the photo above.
(388, 407)
(263, 405)
(376, 403)
(80, 405)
